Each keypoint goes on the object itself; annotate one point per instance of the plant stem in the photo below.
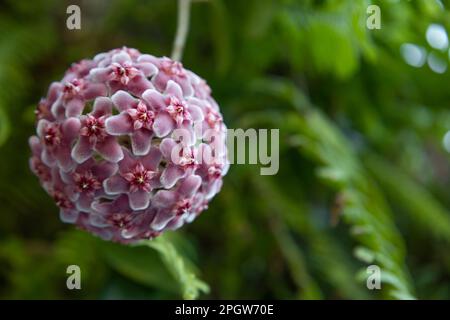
(182, 29)
(190, 285)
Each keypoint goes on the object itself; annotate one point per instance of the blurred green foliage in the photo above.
(363, 172)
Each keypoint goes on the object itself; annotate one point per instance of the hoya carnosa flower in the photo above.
(124, 144)
(136, 177)
(93, 136)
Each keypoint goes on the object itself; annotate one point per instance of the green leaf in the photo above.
(364, 254)
(140, 265)
(190, 285)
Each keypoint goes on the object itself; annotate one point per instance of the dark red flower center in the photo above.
(178, 110)
(94, 127)
(86, 182)
(72, 88)
(123, 72)
(173, 68)
(187, 158)
(142, 116)
(52, 135)
(42, 110)
(41, 170)
(61, 200)
(215, 172)
(139, 178)
(183, 206)
(213, 118)
(120, 220)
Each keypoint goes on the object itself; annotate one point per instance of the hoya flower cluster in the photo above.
(129, 145)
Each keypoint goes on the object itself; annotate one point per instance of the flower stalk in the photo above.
(184, 7)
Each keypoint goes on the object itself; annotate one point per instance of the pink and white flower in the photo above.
(93, 137)
(135, 119)
(137, 177)
(110, 152)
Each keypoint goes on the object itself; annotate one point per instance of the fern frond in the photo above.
(424, 209)
(364, 207)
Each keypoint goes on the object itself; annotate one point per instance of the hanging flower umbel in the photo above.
(106, 140)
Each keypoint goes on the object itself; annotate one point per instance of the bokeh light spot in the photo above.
(437, 37)
(414, 55)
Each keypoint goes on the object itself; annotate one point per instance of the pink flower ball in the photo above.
(109, 151)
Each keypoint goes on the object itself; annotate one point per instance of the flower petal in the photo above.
(160, 80)
(162, 219)
(82, 150)
(98, 220)
(84, 202)
(141, 142)
(166, 146)
(102, 107)
(190, 185)
(95, 90)
(176, 222)
(139, 84)
(47, 158)
(123, 100)
(164, 199)
(53, 91)
(100, 74)
(139, 224)
(163, 124)
(149, 58)
(70, 129)
(74, 107)
(174, 89)
(149, 69)
(128, 162)
(64, 159)
(186, 86)
(115, 185)
(110, 149)
(171, 175)
(196, 113)
(41, 126)
(213, 189)
(119, 124)
(68, 216)
(35, 145)
(121, 57)
(57, 109)
(154, 99)
(139, 200)
(104, 170)
(152, 159)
